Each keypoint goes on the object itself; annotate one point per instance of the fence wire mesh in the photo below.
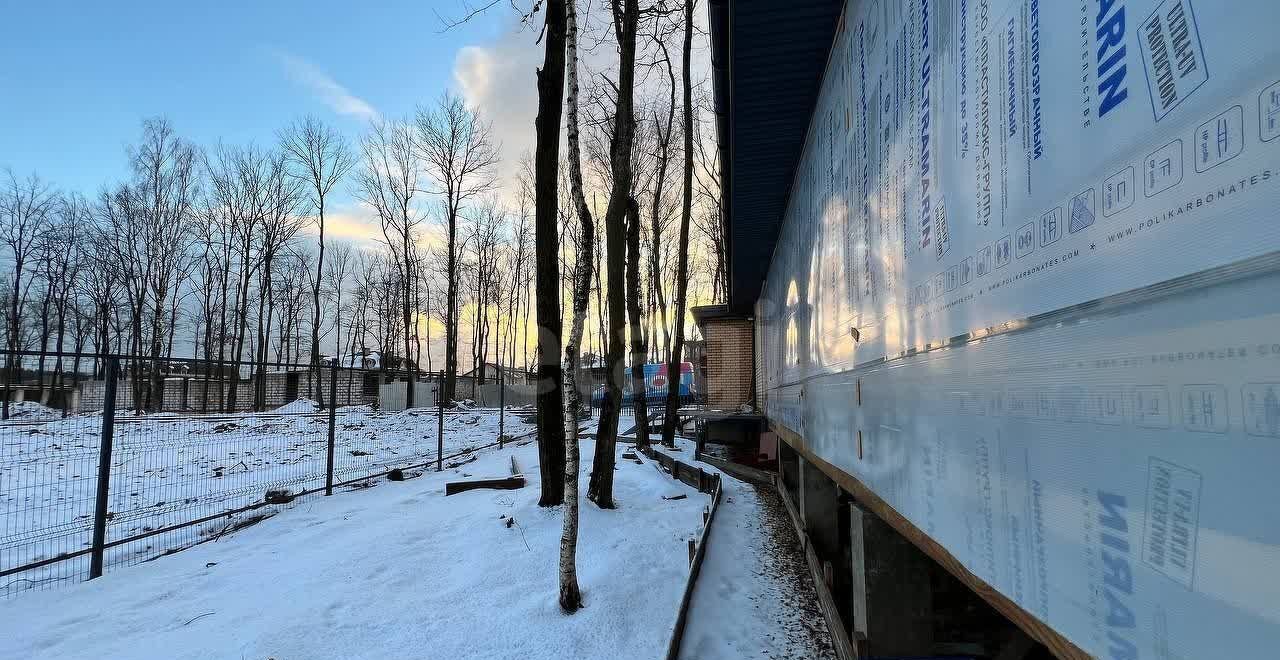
(189, 460)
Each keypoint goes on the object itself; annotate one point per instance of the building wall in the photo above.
(1040, 330)
(729, 356)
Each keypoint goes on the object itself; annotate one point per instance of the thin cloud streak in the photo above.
(325, 88)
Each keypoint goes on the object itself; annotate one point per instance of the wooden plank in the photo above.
(504, 483)
(1059, 645)
(742, 472)
(700, 551)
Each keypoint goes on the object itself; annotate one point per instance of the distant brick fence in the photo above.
(194, 393)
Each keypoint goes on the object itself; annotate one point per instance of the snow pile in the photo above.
(298, 407)
(394, 571)
(32, 410)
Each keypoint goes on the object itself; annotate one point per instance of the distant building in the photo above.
(509, 374)
(367, 359)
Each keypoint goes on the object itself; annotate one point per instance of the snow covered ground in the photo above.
(168, 469)
(393, 571)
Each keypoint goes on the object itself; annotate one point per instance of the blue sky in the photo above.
(77, 78)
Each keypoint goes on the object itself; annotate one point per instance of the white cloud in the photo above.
(498, 81)
(324, 87)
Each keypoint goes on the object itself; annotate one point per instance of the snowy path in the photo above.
(393, 571)
(754, 598)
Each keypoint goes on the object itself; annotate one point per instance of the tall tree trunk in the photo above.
(551, 439)
(242, 324)
(315, 309)
(260, 359)
(44, 342)
(224, 281)
(570, 594)
(599, 290)
(655, 211)
(601, 488)
(682, 263)
(135, 348)
(639, 351)
(406, 312)
(58, 343)
(451, 310)
(155, 396)
(12, 368)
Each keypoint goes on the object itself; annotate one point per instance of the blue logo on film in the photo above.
(1117, 575)
(1109, 40)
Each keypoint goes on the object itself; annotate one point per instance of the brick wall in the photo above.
(187, 394)
(729, 356)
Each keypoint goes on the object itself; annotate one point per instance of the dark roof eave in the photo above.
(778, 69)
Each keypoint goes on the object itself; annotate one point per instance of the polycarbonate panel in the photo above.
(1044, 237)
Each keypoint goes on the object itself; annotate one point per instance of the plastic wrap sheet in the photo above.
(1044, 237)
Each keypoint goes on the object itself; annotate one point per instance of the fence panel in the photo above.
(197, 449)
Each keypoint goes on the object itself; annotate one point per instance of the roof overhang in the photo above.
(706, 313)
(767, 61)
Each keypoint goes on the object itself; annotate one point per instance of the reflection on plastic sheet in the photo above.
(976, 165)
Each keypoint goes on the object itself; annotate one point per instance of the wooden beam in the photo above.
(516, 480)
(504, 483)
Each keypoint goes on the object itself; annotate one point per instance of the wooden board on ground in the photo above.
(516, 480)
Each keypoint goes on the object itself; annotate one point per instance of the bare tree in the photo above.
(320, 156)
(639, 348)
(663, 158)
(520, 239)
(239, 183)
(100, 288)
(682, 269)
(570, 594)
(461, 155)
(125, 255)
(293, 286)
(389, 182)
(280, 224)
(625, 18)
(26, 211)
(709, 223)
(337, 272)
(67, 261)
(212, 266)
(551, 448)
(166, 184)
(149, 224)
(485, 228)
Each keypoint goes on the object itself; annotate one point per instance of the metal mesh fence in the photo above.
(187, 460)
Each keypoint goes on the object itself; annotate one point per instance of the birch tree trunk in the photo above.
(570, 595)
